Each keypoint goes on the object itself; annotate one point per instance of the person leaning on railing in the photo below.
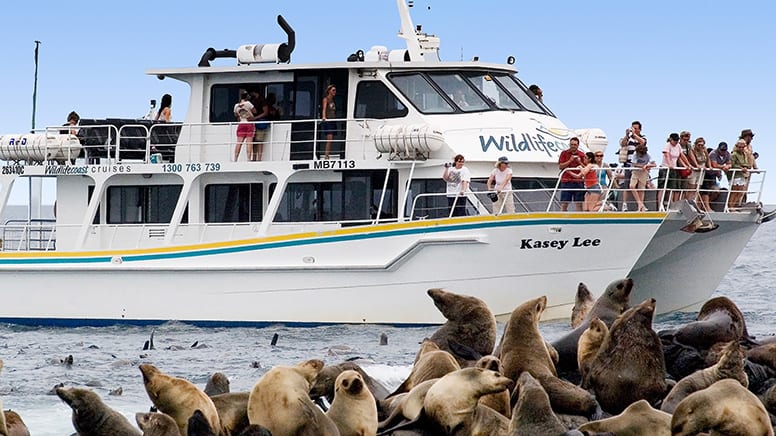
(500, 180)
(572, 189)
(740, 164)
(669, 175)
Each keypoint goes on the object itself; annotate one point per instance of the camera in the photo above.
(448, 164)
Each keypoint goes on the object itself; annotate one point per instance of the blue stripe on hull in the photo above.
(105, 322)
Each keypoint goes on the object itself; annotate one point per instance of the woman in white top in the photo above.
(244, 112)
(500, 180)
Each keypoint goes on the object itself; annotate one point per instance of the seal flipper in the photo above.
(464, 352)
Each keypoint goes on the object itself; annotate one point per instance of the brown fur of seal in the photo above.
(354, 410)
(498, 401)
(406, 406)
(178, 398)
(91, 416)
(523, 349)
(324, 383)
(452, 402)
(719, 320)
(589, 344)
(612, 302)
(533, 414)
(636, 420)
(730, 365)
(583, 304)
(725, 407)
(232, 410)
(15, 426)
(157, 424)
(470, 323)
(431, 363)
(629, 365)
(217, 383)
(280, 401)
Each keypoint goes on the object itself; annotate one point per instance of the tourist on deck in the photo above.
(699, 158)
(719, 158)
(669, 176)
(266, 112)
(329, 112)
(593, 189)
(747, 135)
(642, 163)
(500, 180)
(244, 112)
(740, 164)
(572, 188)
(537, 92)
(458, 178)
(72, 120)
(686, 144)
(165, 111)
(628, 143)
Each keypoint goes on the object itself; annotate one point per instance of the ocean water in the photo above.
(105, 359)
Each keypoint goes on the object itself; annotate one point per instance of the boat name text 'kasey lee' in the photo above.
(560, 244)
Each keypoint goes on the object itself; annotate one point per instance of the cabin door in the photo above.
(307, 139)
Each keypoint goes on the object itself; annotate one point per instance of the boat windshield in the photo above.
(471, 91)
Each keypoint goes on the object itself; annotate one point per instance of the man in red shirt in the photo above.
(572, 187)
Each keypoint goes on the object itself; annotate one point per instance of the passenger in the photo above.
(329, 112)
(740, 163)
(165, 113)
(699, 157)
(669, 175)
(244, 112)
(262, 108)
(593, 189)
(72, 120)
(642, 163)
(457, 177)
(685, 143)
(747, 135)
(537, 92)
(572, 188)
(500, 180)
(628, 143)
(720, 158)
(605, 174)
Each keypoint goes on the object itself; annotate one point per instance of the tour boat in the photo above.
(156, 221)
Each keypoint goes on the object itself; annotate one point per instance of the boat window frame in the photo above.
(443, 97)
(146, 206)
(255, 202)
(401, 113)
(474, 92)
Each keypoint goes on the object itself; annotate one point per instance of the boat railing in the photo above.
(29, 235)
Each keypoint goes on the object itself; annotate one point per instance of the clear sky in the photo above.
(701, 66)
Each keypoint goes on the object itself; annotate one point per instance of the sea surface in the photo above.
(107, 358)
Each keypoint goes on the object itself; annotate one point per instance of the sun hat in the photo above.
(502, 160)
(746, 132)
(722, 145)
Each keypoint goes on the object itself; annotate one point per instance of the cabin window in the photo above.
(496, 94)
(514, 87)
(462, 94)
(421, 93)
(375, 100)
(233, 203)
(143, 204)
(224, 97)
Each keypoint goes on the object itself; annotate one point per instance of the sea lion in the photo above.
(178, 398)
(431, 363)
(637, 419)
(719, 320)
(730, 365)
(15, 426)
(500, 400)
(629, 365)
(589, 344)
(157, 424)
(217, 383)
(280, 401)
(198, 425)
(533, 414)
(406, 406)
(232, 410)
(255, 430)
(451, 402)
(612, 302)
(725, 407)
(354, 410)
(763, 355)
(583, 303)
(470, 323)
(523, 349)
(324, 383)
(92, 417)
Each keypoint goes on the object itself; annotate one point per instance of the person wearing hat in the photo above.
(747, 135)
(719, 158)
(669, 177)
(500, 180)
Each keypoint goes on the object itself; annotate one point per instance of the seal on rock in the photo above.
(354, 410)
(725, 407)
(407, 406)
(611, 304)
(719, 320)
(217, 383)
(629, 365)
(178, 398)
(470, 323)
(533, 414)
(730, 365)
(583, 303)
(232, 410)
(91, 416)
(523, 349)
(157, 424)
(324, 383)
(589, 344)
(637, 419)
(15, 426)
(500, 400)
(431, 363)
(280, 401)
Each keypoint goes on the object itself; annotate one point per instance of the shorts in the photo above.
(594, 189)
(674, 179)
(328, 127)
(246, 130)
(627, 174)
(260, 135)
(639, 179)
(694, 177)
(572, 191)
(739, 181)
